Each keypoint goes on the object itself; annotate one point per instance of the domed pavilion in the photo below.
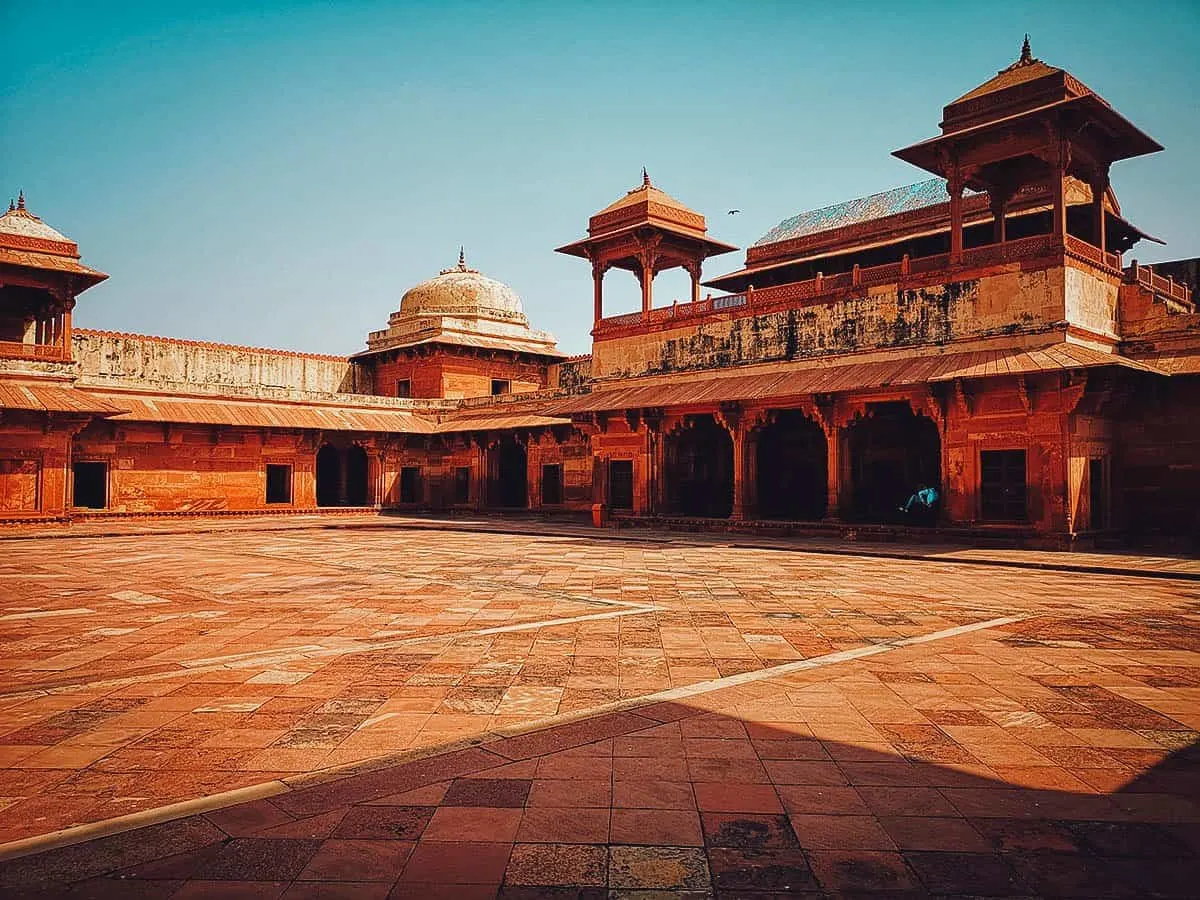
(458, 334)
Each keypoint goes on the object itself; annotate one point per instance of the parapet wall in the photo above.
(1005, 303)
(138, 362)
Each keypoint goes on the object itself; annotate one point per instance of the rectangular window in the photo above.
(1098, 493)
(404, 388)
(462, 484)
(279, 484)
(620, 483)
(551, 485)
(410, 484)
(91, 484)
(500, 386)
(1002, 485)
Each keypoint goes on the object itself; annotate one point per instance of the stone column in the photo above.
(954, 186)
(597, 292)
(833, 472)
(1099, 226)
(479, 475)
(343, 487)
(999, 204)
(647, 280)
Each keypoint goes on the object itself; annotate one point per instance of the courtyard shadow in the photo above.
(678, 799)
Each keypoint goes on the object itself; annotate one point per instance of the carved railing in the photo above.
(1081, 249)
(18, 350)
(1160, 284)
(729, 301)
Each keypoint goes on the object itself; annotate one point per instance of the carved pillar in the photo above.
(1099, 226)
(999, 204)
(647, 281)
(954, 186)
(479, 476)
(597, 291)
(1058, 188)
(730, 417)
(656, 458)
(374, 478)
(343, 485)
(693, 269)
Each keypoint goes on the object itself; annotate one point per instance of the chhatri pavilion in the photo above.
(982, 332)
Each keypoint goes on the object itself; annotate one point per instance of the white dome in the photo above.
(462, 292)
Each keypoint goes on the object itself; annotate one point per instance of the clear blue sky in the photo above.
(280, 177)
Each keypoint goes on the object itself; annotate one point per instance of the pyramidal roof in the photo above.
(643, 204)
(22, 230)
(1027, 83)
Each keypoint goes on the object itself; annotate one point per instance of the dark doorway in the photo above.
(356, 476)
(510, 476)
(620, 484)
(792, 463)
(552, 485)
(462, 484)
(1098, 493)
(329, 476)
(279, 483)
(893, 453)
(1002, 485)
(91, 484)
(410, 484)
(700, 470)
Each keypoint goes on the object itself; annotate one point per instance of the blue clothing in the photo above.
(926, 498)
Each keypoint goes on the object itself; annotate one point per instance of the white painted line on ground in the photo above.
(80, 833)
(272, 659)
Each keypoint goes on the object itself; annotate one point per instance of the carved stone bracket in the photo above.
(1025, 393)
(1074, 386)
(729, 415)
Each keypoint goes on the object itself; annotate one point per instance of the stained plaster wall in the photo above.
(1091, 301)
(1009, 302)
(109, 359)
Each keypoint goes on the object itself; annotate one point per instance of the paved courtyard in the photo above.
(386, 711)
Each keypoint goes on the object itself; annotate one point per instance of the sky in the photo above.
(279, 174)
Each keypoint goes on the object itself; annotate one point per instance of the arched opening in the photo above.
(893, 454)
(792, 462)
(329, 476)
(356, 476)
(700, 470)
(509, 472)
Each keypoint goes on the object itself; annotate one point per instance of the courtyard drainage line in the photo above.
(80, 833)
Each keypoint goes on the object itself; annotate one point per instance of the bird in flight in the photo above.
(734, 212)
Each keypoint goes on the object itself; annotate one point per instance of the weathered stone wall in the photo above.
(1009, 302)
(1091, 301)
(153, 468)
(571, 374)
(33, 460)
(1157, 477)
(113, 359)
(453, 376)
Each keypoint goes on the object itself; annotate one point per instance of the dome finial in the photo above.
(21, 199)
(462, 258)
(645, 178)
(11, 205)
(1026, 53)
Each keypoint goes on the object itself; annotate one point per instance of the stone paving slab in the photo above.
(698, 719)
(1130, 562)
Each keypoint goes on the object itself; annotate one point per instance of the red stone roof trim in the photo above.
(207, 345)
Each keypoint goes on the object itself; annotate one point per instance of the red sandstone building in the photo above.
(980, 332)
